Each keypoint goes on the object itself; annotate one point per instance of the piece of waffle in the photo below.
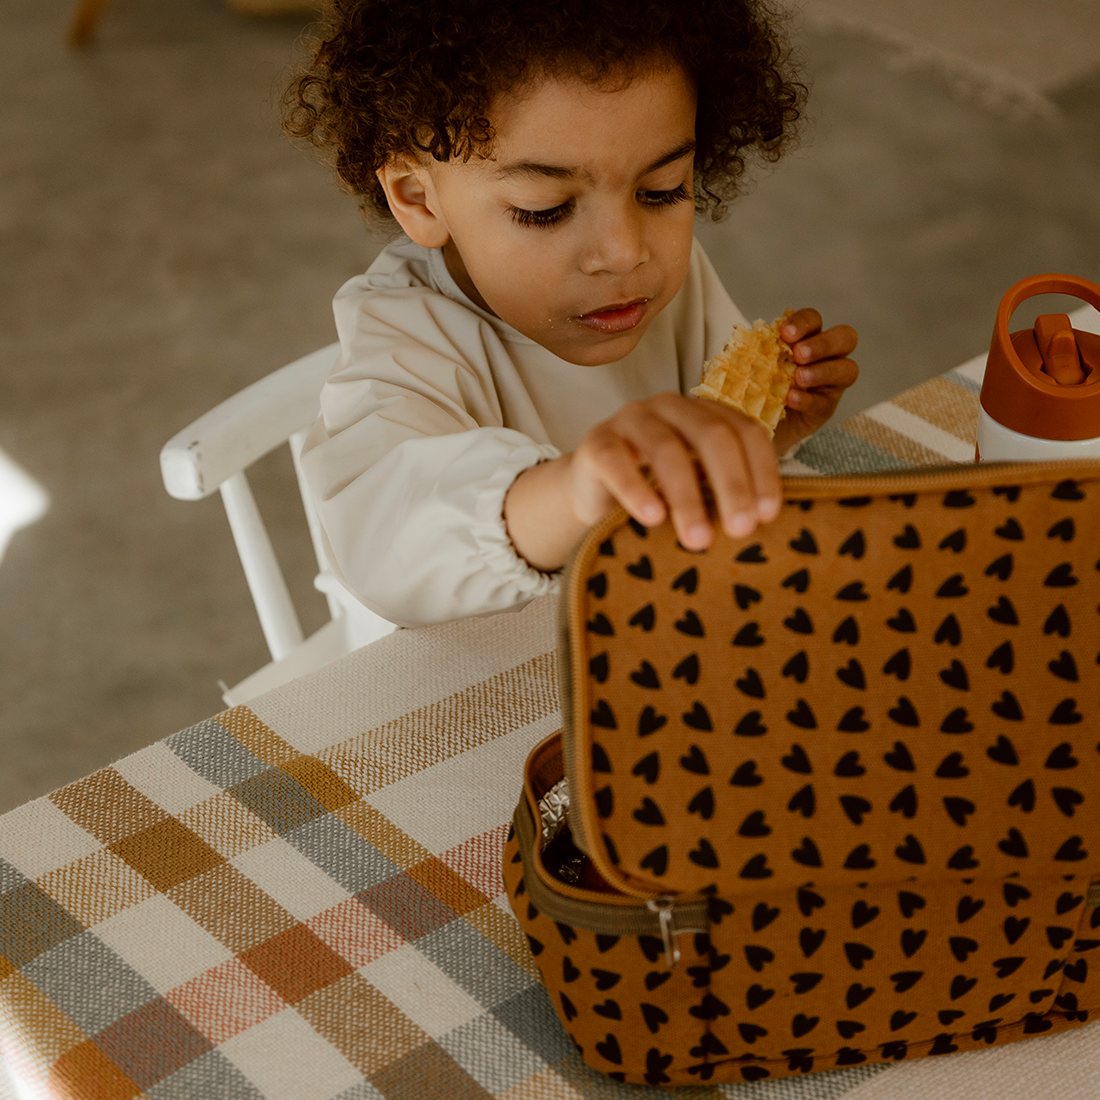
(753, 373)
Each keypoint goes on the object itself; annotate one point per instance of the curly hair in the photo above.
(391, 77)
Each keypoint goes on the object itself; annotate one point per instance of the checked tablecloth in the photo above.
(301, 899)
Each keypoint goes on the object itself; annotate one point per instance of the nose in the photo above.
(616, 243)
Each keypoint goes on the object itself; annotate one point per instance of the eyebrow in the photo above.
(559, 172)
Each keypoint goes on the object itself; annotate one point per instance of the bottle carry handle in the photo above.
(1030, 287)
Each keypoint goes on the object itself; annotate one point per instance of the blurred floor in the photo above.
(164, 245)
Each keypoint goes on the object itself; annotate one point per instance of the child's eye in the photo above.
(540, 219)
(664, 198)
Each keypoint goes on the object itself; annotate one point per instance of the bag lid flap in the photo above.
(895, 679)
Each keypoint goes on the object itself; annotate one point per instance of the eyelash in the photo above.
(543, 219)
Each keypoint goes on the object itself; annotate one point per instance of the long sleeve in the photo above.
(409, 463)
(435, 407)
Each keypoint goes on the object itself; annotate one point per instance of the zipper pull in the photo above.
(663, 907)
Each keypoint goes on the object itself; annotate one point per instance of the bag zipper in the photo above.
(659, 916)
(665, 908)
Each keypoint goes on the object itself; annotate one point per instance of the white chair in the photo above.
(214, 453)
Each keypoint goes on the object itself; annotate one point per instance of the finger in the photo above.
(801, 323)
(671, 463)
(829, 372)
(738, 462)
(833, 343)
(606, 464)
(742, 472)
(815, 406)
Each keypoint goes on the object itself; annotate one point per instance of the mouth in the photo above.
(615, 318)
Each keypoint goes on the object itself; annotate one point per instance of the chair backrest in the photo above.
(213, 453)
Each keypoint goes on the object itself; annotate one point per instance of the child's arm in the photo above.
(652, 457)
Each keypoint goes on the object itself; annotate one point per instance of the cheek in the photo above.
(520, 290)
(531, 266)
(683, 230)
(675, 231)
(677, 254)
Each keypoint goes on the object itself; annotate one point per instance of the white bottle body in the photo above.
(996, 443)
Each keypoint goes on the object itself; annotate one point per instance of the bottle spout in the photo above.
(1058, 347)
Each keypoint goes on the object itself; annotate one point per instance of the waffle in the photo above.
(753, 373)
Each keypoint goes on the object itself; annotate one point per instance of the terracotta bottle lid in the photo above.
(1045, 381)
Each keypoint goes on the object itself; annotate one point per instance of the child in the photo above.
(516, 363)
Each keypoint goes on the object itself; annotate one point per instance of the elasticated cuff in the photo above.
(489, 530)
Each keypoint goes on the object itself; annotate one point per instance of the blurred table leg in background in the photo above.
(88, 13)
(86, 17)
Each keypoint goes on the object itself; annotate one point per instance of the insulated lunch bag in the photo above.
(828, 795)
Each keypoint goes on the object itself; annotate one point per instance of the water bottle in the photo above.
(1040, 396)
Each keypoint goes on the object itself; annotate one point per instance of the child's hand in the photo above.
(823, 374)
(652, 456)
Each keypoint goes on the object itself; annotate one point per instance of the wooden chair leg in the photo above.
(86, 17)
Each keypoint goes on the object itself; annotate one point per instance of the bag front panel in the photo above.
(881, 687)
(813, 979)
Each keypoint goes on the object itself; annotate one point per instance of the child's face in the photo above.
(578, 231)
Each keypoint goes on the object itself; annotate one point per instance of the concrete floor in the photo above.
(164, 245)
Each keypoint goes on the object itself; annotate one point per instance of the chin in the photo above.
(600, 353)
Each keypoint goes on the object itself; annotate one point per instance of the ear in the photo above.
(412, 199)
